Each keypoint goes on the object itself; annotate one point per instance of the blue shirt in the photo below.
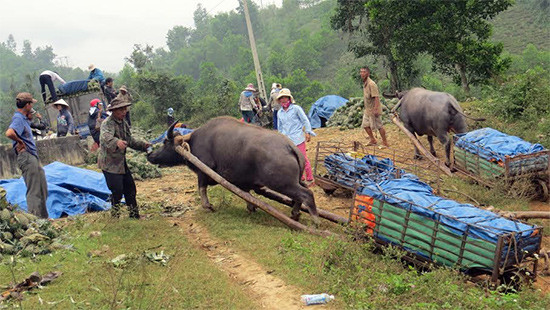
(22, 127)
(97, 74)
(291, 123)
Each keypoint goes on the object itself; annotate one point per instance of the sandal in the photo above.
(372, 143)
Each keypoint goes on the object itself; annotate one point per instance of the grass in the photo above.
(90, 280)
(359, 278)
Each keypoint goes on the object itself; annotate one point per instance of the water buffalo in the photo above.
(248, 156)
(425, 112)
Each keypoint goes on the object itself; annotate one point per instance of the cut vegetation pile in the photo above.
(23, 233)
(350, 115)
(139, 166)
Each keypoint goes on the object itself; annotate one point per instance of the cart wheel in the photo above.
(542, 189)
(329, 191)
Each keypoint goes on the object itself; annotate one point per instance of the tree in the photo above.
(178, 38)
(455, 33)
(27, 50)
(141, 56)
(459, 39)
(11, 44)
(383, 28)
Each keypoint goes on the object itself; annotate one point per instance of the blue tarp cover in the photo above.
(161, 138)
(71, 190)
(378, 178)
(73, 87)
(418, 196)
(324, 107)
(494, 145)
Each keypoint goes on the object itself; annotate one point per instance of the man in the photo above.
(109, 92)
(27, 156)
(247, 104)
(115, 137)
(125, 96)
(373, 109)
(36, 123)
(47, 78)
(274, 103)
(97, 74)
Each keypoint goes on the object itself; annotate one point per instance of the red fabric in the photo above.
(307, 170)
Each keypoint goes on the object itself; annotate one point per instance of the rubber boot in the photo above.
(134, 212)
(115, 210)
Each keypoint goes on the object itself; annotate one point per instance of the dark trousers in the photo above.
(122, 184)
(35, 180)
(248, 117)
(275, 119)
(47, 80)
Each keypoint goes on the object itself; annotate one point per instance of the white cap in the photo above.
(274, 85)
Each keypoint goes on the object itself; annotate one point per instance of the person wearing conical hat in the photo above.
(114, 137)
(65, 122)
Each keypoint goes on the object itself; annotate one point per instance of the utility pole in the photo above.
(259, 76)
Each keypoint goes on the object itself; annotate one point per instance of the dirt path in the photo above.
(267, 290)
(177, 191)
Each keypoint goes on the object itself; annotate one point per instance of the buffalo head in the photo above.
(167, 155)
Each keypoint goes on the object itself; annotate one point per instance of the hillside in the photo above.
(522, 24)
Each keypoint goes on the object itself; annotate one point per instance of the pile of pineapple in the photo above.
(23, 233)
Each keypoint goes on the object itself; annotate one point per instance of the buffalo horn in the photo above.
(170, 132)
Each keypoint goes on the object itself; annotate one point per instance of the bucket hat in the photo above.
(250, 87)
(117, 104)
(285, 92)
(91, 67)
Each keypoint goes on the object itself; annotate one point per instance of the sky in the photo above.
(100, 32)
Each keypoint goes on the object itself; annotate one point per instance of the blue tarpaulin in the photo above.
(378, 178)
(71, 190)
(494, 145)
(419, 198)
(161, 138)
(324, 107)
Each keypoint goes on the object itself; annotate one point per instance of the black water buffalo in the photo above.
(248, 156)
(425, 112)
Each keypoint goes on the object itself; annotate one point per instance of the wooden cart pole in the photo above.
(421, 148)
(185, 152)
(287, 201)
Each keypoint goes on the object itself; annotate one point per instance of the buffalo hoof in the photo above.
(251, 208)
(434, 154)
(295, 216)
(209, 207)
(418, 157)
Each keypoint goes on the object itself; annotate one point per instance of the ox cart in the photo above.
(396, 164)
(395, 203)
(529, 172)
(447, 233)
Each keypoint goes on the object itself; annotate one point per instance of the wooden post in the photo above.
(421, 148)
(246, 196)
(259, 76)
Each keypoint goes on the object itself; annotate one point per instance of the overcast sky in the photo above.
(102, 32)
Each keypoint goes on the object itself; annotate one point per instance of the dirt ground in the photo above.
(177, 188)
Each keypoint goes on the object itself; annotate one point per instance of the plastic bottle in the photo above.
(316, 299)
